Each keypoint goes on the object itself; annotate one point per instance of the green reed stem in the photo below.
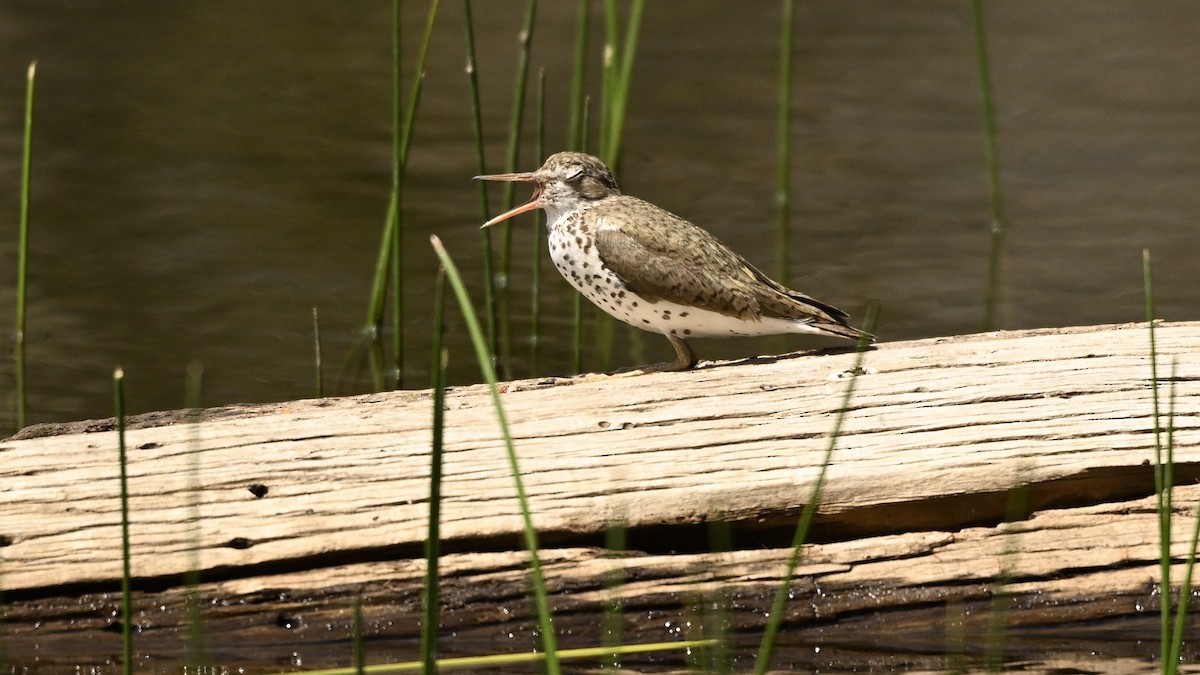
(576, 333)
(1016, 509)
(195, 649)
(991, 298)
(541, 602)
(375, 363)
(126, 574)
(618, 104)
(576, 298)
(616, 540)
(357, 657)
(619, 52)
(397, 276)
(956, 639)
(535, 259)
(382, 270)
(317, 368)
(489, 271)
(718, 603)
(396, 215)
(784, 141)
(402, 128)
(516, 121)
(400, 154)
(611, 72)
(433, 539)
(577, 131)
(775, 619)
(23, 249)
(3, 625)
(397, 98)
(605, 327)
(517, 117)
(497, 660)
(1185, 592)
(1162, 476)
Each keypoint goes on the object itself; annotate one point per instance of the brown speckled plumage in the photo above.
(655, 270)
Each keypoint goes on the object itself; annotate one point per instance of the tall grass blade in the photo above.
(23, 250)
(516, 121)
(576, 298)
(402, 128)
(1185, 591)
(602, 323)
(541, 603)
(996, 199)
(619, 102)
(619, 54)
(396, 252)
(576, 333)
(318, 369)
(402, 141)
(1162, 476)
(718, 604)
(375, 309)
(577, 131)
(433, 538)
(1015, 510)
(195, 650)
(956, 639)
(609, 77)
(605, 327)
(612, 622)
(3, 627)
(783, 141)
(494, 661)
(489, 271)
(396, 259)
(126, 575)
(535, 259)
(356, 636)
(767, 646)
(398, 98)
(375, 360)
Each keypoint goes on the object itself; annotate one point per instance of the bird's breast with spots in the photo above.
(574, 254)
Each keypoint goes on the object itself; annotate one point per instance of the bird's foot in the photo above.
(685, 359)
(667, 367)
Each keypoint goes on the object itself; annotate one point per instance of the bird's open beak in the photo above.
(530, 205)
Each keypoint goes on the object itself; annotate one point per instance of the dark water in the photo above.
(207, 173)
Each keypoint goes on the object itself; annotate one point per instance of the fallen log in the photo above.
(305, 505)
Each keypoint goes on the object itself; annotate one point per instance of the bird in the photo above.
(655, 270)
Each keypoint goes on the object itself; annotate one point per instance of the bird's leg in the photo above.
(685, 359)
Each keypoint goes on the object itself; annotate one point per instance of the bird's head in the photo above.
(567, 181)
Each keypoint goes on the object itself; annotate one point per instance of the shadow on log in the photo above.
(305, 505)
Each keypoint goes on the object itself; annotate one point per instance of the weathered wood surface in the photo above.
(888, 596)
(938, 432)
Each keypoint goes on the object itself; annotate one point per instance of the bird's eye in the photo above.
(574, 174)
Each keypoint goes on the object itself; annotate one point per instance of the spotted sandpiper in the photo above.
(655, 270)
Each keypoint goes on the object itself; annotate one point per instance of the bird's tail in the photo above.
(844, 331)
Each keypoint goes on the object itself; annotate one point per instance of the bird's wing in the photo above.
(783, 302)
(668, 258)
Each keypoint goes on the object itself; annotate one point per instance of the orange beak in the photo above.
(530, 205)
